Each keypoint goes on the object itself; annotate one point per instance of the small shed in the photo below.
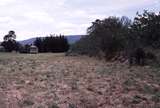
(2, 49)
(33, 49)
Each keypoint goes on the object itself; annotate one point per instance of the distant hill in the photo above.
(71, 39)
(28, 41)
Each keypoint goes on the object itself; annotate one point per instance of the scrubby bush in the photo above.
(114, 35)
(146, 27)
(11, 45)
(85, 46)
(24, 49)
(151, 56)
(137, 57)
(105, 38)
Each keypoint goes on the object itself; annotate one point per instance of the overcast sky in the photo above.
(31, 18)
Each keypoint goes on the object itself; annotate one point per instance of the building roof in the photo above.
(1, 46)
(33, 46)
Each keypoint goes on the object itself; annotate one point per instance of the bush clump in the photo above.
(108, 37)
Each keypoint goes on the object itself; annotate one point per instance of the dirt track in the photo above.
(50, 80)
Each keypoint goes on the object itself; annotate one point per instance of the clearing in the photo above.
(54, 80)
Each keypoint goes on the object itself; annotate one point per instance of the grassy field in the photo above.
(56, 81)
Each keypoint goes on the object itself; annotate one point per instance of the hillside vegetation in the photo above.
(120, 36)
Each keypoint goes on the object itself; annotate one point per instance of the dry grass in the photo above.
(54, 80)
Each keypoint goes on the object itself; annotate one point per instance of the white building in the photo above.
(33, 49)
(2, 49)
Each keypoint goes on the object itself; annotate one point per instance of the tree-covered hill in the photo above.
(71, 39)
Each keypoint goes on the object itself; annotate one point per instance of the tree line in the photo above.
(114, 36)
(50, 43)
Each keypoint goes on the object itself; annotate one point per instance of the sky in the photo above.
(34, 18)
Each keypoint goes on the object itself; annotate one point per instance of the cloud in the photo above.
(6, 2)
(39, 16)
(31, 18)
(5, 19)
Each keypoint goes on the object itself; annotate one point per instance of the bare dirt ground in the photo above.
(57, 81)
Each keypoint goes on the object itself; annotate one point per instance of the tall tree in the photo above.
(10, 36)
(9, 42)
(146, 28)
(110, 34)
